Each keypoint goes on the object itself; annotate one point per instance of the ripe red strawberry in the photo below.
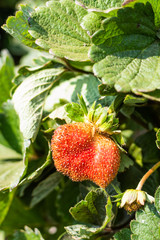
(82, 153)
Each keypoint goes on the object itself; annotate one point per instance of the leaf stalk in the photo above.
(146, 176)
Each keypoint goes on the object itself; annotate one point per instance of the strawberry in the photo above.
(82, 152)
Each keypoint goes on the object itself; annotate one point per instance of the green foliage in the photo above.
(6, 76)
(45, 187)
(56, 36)
(12, 148)
(75, 112)
(20, 215)
(103, 5)
(131, 100)
(157, 199)
(125, 54)
(60, 29)
(27, 234)
(29, 99)
(95, 209)
(158, 138)
(69, 86)
(124, 234)
(155, 6)
(5, 202)
(18, 27)
(126, 162)
(88, 60)
(146, 225)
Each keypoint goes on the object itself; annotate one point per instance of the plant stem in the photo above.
(146, 176)
(115, 229)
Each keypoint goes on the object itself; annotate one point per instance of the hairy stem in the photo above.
(146, 176)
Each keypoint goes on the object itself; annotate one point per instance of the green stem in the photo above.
(146, 176)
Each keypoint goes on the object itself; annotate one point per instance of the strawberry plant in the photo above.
(80, 120)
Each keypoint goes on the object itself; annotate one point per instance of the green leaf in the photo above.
(147, 145)
(126, 51)
(126, 162)
(85, 65)
(74, 112)
(83, 104)
(11, 172)
(28, 234)
(136, 152)
(113, 188)
(66, 197)
(118, 138)
(29, 99)
(56, 27)
(51, 28)
(60, 113)
(131, 100)
(124, 234)
(69, 86)
(153, 95)
(18, 26)
(155, 6)
(103, 5)
(34, 3)
(146, 225)
(65, 236)
(127, 111)
(6, 75)
(29, 177)
(41, 64)
(106, 90)
(117, 103)
(5, 202)
(37, 165)
(91, 23)
(13, 160)
(157, 199)
(158, 138)
(80, 231)
(45, 187)
(9, 128)
(95, 209)
(2, 235)
(20, 215)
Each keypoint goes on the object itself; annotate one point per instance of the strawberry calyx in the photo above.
(103, 119)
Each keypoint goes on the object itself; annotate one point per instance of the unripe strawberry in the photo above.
(81, 152)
